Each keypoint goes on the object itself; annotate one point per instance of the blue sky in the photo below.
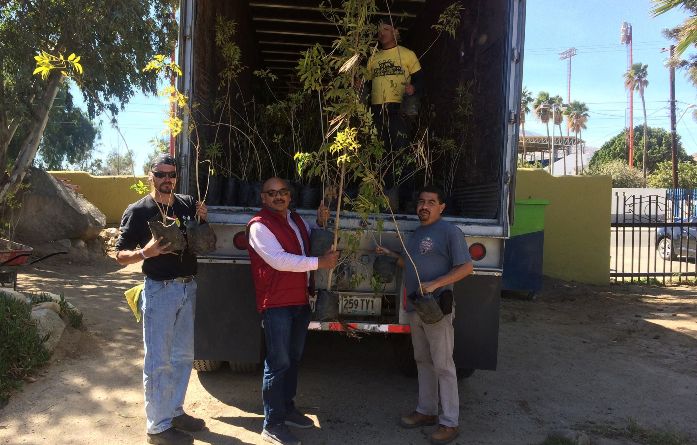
(591, 26)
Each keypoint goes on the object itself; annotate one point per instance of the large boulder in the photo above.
(50, 326)
(51, 211)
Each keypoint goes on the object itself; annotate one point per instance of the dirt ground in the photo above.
(593, 359)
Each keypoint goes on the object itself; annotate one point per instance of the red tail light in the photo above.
(477, 251)
(240, 240)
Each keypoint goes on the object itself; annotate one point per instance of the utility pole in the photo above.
(673, 130)
(568, 55)
(626, 39)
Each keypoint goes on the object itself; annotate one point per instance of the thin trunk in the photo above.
(563, 148)
(643, 104)
(576, 151)
(30, 145)
(549, 147)
(525, 149)
(579, 136)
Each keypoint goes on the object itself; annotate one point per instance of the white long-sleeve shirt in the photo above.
(270, 250)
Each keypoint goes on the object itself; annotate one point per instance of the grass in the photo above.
(21, 350)
(639, 434)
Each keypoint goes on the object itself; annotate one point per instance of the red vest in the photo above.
(276, 288)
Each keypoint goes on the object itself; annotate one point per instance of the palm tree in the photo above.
(542, 111)
(636, 79)
(557, 104)
(576, 118)
(525, 101)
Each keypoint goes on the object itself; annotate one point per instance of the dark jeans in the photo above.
(394, 133)
(285, 329)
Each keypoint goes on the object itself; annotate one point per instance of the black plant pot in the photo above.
(230, 192)
(327, 305)
(384, 268)
(255, 194)
(310, 197)
(201, 238)
(393, 199)
(213, 197)
(171, 235)
(321, 241)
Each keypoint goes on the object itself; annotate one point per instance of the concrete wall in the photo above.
(577, 230)
(111, 194)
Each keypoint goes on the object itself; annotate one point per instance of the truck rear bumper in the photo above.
(360, 327)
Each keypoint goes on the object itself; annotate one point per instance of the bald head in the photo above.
(276, 195)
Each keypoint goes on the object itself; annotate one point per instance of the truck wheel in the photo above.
(404, 354)
(464, 373)
(207, 365)
(243, 368)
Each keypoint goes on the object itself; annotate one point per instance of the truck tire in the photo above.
(207, 365)
(404, 354)
(243, 368)
(464, 373)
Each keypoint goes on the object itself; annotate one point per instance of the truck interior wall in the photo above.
(475, 60)
(473, 63)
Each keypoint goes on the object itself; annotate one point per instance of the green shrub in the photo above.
(662, 177)
(622, 175)
(21, 349)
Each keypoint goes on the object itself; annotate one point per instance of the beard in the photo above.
(165, 188)
(424, 215)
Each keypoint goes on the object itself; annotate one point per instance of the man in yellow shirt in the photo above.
(393, 72)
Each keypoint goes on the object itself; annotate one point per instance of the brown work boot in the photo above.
(444, 434)
(416, 419)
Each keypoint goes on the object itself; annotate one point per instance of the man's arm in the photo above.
(456, 274)
(385, 251)
(152, 249)
(263, 241)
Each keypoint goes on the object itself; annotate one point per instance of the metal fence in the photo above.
(654, 237)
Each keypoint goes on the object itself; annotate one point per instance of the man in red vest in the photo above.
(279, 244)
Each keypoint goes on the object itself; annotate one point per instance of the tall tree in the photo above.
(636, 78)
(118, 162)
(557, 104)
(576, 117)
(525, 101)
(658, 148)
(115, 39)
(542, 107)
(69, 137)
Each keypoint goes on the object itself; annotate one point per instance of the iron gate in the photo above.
(654, 237)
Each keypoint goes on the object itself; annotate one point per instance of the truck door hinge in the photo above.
(507, 178)
(516, 55)
(513, 117)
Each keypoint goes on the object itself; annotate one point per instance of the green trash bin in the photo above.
(523, 251)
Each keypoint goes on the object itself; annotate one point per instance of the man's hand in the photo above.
(409, 89)
(329, 260)
(322, 215)
(428, 287)
(154, 248)
(384, 251)
(201, 211)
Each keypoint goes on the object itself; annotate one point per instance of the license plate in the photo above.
(360, 305)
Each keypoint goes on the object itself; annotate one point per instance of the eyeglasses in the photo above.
(160, 175)
(274, 193)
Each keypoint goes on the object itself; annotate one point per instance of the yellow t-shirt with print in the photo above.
(390, 70)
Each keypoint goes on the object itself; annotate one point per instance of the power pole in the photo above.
(626, 39)
(673, 131)
(568, 55)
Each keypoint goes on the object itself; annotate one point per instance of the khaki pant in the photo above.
(433, 352)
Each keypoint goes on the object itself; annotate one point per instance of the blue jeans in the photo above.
(168, 335)
(285, 329)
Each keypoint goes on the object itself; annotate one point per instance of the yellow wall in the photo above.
(577, 229)
(110, 194)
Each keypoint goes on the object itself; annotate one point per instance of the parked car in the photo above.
(678, 241)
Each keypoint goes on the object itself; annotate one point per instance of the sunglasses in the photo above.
(160, 175)
(274, 193)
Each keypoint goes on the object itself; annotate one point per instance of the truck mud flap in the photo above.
(227, 325)
(478, 300)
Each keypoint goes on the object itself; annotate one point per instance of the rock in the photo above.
(62, 244)
(113, 232)
(52, 305)
(577, 437)
(10, 293)
(78, 244)
(49, 323)
(52, 211)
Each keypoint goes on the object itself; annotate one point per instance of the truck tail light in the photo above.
(240, 240)
(477, 251)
